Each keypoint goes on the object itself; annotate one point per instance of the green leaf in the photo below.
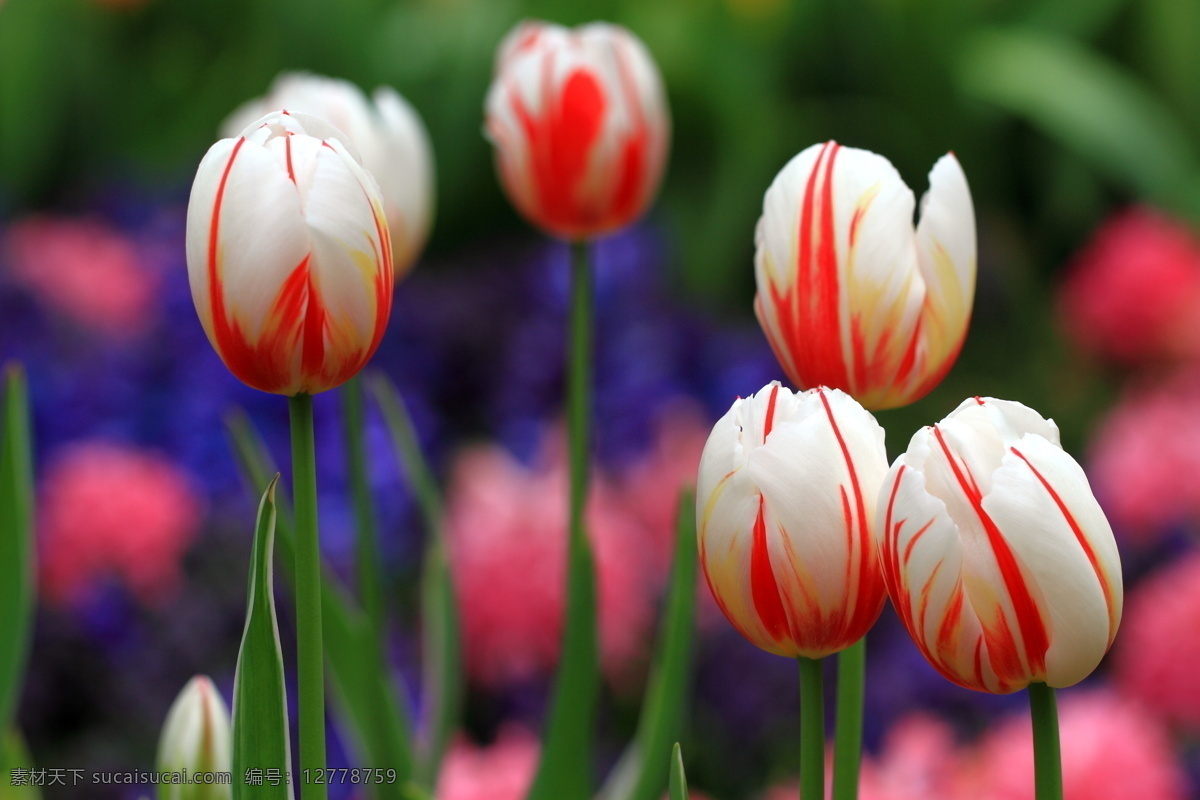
(14, 755)
(368, 701)
(260, 719)
(564, 771)
(640, 774)
(16, 542)
(443, 681)
(1089, 105)
(678, 787)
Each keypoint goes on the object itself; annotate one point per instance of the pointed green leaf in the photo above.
(368, 702)
(641, 773)
(260, 719)
(564, 772)
(678, 787)
(1089, 104)
(443, 679)
(16, 542)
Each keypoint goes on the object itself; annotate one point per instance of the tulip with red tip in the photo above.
(289, 256)
(850, 295)
(785, 504)
(997, 557)
(580, 124)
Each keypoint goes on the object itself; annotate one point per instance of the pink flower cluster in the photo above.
(1112, 750)
(85, 271)
(507, 530)
(1145, 456)
(112, 512)
(1133, 293)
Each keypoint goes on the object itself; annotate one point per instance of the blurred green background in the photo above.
(1058, 109)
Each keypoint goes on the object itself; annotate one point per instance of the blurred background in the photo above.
(1076, 122)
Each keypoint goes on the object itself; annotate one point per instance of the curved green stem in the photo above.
(310, 652)
(812, 729)
(847, 742)
(1047, 755)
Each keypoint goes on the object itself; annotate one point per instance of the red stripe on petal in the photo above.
(1105, 585)
(765, 590)
(1030, 624)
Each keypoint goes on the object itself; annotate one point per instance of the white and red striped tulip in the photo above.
(580, 124)
(288, 255)
(785, 502)
(997, 557)
(389, 136)
(196, 737)
(850, 295)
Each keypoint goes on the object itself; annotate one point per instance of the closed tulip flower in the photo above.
(785, 504)
(997, 557)
(850, 295)
(196, 738)
(288, 255)
(580, 125)
(390, 139)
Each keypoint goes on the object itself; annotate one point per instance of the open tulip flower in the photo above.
(288, 255)
(997, 557)
(785, 506)
(850, 295)
(580, 124)
(388, 135)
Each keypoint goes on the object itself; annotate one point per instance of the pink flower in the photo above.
(108, 510)
(502, 771)
(507, 529)
(650, 488)
(83, 270)
(1131, 294)
(1112, 750)
(1159, 647)
(1145, 455)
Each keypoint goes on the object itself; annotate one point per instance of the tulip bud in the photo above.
(785, 502)
(386, 131)
(196, 738)
(580, 124)
(849, 294)
(997, 557)
(288, 255)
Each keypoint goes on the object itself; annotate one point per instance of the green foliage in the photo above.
(16, 542)
(440, 634)
(639, 775)
(260, 718)
(370, 704)
(678, 786)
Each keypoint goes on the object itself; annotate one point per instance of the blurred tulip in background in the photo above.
(580, 125)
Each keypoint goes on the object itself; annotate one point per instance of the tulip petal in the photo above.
(838, 287)
(945, 240)
(922, 555)
(351, 279)
(1057, 531)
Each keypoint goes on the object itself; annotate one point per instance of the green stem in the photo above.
(367, 554)
(579, 378)
(812, 729)
(1047, 756)
(847, 743)
(309, 649)
(563, 771)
